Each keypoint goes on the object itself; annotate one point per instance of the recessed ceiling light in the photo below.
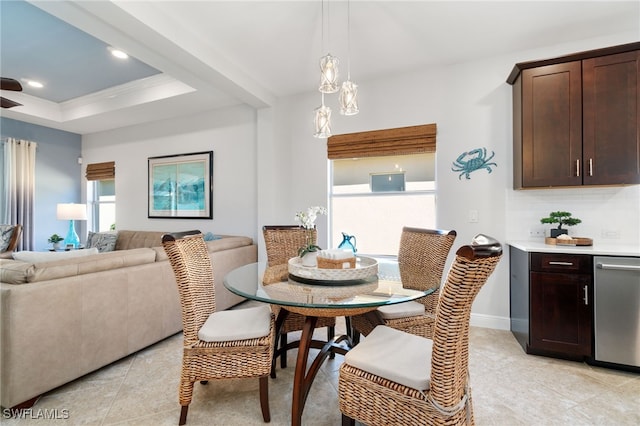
(35, 84)
(118, 53)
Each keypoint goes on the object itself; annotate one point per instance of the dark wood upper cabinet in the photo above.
(576, 119)
(611, 117)
(552, 125)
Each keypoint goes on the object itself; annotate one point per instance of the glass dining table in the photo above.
(315, 299)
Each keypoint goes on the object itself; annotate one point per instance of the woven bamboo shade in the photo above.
(101, 171)
(378, 143)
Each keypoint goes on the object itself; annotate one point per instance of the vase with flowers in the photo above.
(307, 220)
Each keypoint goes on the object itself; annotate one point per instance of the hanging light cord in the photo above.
(322, 44)
(348, 40)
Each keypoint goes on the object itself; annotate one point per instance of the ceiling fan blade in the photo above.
(10, 84)
(8, 103)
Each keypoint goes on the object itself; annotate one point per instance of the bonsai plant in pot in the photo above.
(55, 240)
(561, 218)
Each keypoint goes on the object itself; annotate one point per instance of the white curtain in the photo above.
(18, 192)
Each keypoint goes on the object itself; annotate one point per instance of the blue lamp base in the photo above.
(72, 237)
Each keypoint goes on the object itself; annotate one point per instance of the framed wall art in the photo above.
(181, 186)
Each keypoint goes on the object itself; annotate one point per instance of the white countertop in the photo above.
(599, 249)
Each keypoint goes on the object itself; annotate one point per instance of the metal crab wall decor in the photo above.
(471, 161)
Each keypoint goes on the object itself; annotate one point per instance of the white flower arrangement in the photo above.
(307, 220)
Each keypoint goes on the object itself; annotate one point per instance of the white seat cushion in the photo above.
(240, 324)
(394, 355)
(401, 310)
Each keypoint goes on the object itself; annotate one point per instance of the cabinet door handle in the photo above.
(561, 263)
(590, 167)
(578, 168)
(586, 296)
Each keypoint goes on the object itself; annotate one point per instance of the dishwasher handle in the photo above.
(618, 267)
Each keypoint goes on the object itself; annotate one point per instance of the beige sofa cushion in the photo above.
(137, 239)
(16, 272)
(225, 243)
(50, 256)
(89, 264)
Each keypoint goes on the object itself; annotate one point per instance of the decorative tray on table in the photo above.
(366, 270)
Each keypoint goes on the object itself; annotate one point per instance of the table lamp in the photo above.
(72, 212)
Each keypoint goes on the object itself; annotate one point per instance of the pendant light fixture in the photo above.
(328, 74)
(322, 121)
(329, 82)
(349, 91)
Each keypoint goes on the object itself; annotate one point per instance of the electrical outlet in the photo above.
(610, 233)
(536, 232)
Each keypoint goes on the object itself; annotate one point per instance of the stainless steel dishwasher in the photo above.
(617, 310)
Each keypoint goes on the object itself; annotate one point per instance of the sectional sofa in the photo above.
(65, 317)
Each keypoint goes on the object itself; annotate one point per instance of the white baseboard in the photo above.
(490, 321)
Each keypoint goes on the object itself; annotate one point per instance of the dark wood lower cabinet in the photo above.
(552, 303)
(561, 313)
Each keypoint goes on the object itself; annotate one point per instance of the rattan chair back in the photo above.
(421, 259)
(282, 243)
(422, 256)
(375, 400)
(471, 268)
(193, 270)
(207, 360)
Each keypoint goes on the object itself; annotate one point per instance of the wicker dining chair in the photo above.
(397, 378)
(217, 345)
(421, 260)
(282, 243)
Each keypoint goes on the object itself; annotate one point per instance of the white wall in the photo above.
(230, 134)
(267, 165)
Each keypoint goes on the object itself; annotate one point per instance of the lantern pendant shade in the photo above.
(328, 74)
(322, 121)
(349, 98)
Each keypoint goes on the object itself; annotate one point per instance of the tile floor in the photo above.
(509, 388)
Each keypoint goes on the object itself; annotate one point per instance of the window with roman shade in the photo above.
(101, 195)
(382, 180)
(101, 171)
(377, 143)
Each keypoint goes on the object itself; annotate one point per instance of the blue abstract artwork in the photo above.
(180, 186)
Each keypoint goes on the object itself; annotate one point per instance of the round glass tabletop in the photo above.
(382, 289)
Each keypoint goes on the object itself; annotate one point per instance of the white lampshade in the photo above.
(71, 211)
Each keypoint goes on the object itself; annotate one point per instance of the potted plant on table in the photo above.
(561, 218)
(55, 239)
(307, 220)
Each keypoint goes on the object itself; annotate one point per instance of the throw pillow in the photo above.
(48, 256)
(6, 231)
(209, 236)
(103, 241)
